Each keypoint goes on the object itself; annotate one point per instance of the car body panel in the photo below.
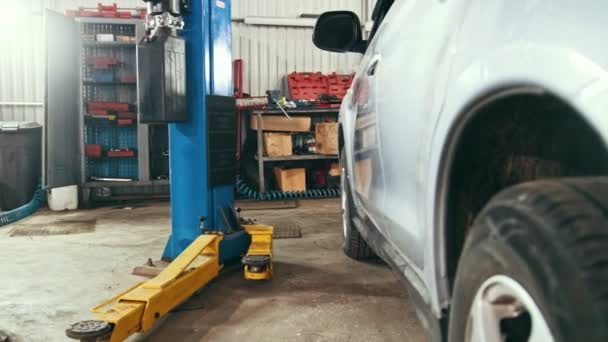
(424, 89)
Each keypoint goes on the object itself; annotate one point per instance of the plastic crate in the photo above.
(93, 150)
(100, 168)
(126, 137)
(110, 136)
(103, 76)
(307, 86)
(126, 168)
(113, 168)
(339, 84)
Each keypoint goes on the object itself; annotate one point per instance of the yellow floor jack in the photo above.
(139, 308)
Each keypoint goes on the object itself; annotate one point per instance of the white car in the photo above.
(475, 163)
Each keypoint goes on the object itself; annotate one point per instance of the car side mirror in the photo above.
(339, 31)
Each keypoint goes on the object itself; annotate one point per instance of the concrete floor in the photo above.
(317, 294)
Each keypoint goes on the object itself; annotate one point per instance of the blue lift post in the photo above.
(209, 72)
(197, 258)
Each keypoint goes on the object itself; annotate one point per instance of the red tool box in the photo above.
(307, 86)
(107, 11)
(104, 11)
(93, 150)
(128, 79)
(126, 153)
(124, 15)
(339, 84)
(109, 106)
(98, 112)
(127, 115)
(103, 63)
(124, 122)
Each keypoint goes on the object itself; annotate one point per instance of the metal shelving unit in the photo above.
(135, 171)
(305, 157)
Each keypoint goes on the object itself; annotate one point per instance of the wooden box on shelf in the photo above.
(290, 179)
(277, 144)
(282, 123)
(326, 135)
(334, 170)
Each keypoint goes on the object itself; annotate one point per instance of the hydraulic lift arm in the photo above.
(139, 308)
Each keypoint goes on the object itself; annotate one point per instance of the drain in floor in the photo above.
(286, 230)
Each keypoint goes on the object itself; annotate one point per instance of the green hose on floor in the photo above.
(25, 210)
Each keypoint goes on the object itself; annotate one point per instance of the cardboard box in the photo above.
(326, 135)
(334, 170)
(282, 123)
(105, 37)
(290, 179)
(125, 39)
(277, 144)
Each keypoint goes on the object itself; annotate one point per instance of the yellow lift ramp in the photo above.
(139, 308)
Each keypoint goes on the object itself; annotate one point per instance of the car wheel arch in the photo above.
(447, 244)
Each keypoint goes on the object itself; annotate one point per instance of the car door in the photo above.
(368, 181)
(413, 52)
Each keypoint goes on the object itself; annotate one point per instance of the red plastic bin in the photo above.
(93, 150)
(128, 79)
(127, 115)
(98, 112)
(339, 84)
(107, 11)
(110, 106)
(121, 154)
(124, 122)
(307, 86)
(103, 63)
(124, 15)
(89, 14)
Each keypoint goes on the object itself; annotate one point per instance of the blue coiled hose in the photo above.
(249, 192)
(25, 210)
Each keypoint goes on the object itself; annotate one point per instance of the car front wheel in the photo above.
(535, 266)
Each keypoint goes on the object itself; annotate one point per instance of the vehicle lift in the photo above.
(207, 232)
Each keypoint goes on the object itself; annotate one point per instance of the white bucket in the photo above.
(65, 198)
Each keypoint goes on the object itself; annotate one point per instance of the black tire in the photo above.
(552, 238)
(354, 245)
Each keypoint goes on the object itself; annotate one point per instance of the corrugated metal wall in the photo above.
(269, 52)
(21, 65)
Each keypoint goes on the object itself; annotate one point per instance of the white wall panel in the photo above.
(271, 52)
(21, 65)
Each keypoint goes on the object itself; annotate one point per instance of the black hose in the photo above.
(247, 191)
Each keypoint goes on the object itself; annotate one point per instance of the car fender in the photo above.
(576, 77)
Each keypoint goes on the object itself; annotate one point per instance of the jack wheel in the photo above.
(89, 331)
(256, 263)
